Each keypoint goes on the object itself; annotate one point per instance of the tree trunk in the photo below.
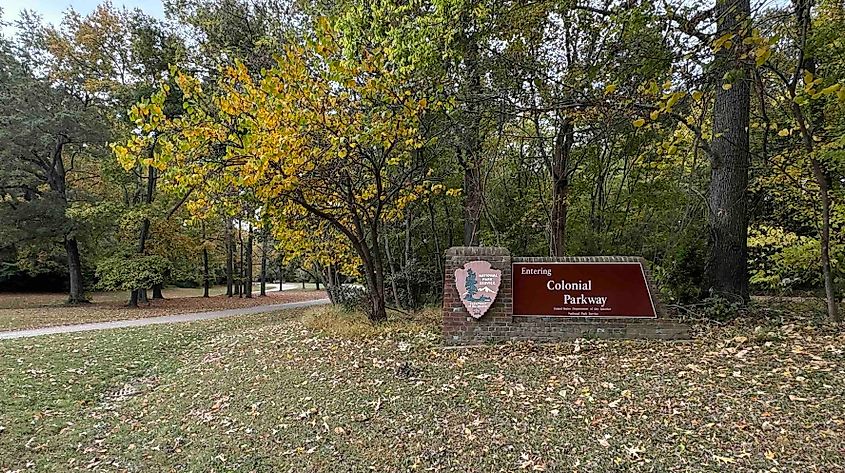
(408, 260)
(450, 235)
(74, 265)
(560, 185)
(726, 271)
(205, 275)
(240, 248)
(281, 278)
(139, 294)
(148, 199)
(331, 283)
(435, 236)
(823, 180)
(205, 270)
(374, 276)
(392, 273)
(379, 309)
(379, 313)
(820, 173)
(320, 276)
(472, 203)
(248, 263)
(264, 265)
(157, 292)
(470, 157)
(57, 180)
(229, 259)
(367, 245)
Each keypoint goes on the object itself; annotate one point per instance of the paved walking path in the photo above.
(274, 286)
(165, 319)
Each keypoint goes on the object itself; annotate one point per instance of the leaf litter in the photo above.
(274, 393)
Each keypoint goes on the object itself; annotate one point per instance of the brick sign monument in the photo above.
(490, 296)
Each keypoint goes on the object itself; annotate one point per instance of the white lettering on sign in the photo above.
(581, 289)
(579, 285)
(584, 300)
(540, 271)
(570, 286)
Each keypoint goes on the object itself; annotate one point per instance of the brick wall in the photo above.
(499, 324)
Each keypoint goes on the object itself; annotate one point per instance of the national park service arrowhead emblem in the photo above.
(478, 285)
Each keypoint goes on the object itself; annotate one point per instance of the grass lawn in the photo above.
(311, 391)
(32, 310)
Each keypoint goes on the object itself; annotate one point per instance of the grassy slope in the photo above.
(270, 393)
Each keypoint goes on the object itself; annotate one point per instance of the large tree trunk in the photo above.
(560, 185)
(726, 272)
(369, 249)
(375, 290)
(379, 313)
(379, 308)
(375, 283)
(57, 179)
(74, 266)
(157, 294)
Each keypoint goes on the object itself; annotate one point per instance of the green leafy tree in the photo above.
(48, 132)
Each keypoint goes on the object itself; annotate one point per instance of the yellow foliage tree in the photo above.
(333, 133)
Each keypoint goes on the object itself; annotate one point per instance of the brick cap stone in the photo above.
(579, 259)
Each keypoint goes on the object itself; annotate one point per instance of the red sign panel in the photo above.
(605, 289)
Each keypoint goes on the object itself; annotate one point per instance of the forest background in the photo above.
(353, 142)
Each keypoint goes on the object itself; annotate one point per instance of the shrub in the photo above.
(681, 276)
(121, 272)
(339, 322)
(781, 261)
(350, 297)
